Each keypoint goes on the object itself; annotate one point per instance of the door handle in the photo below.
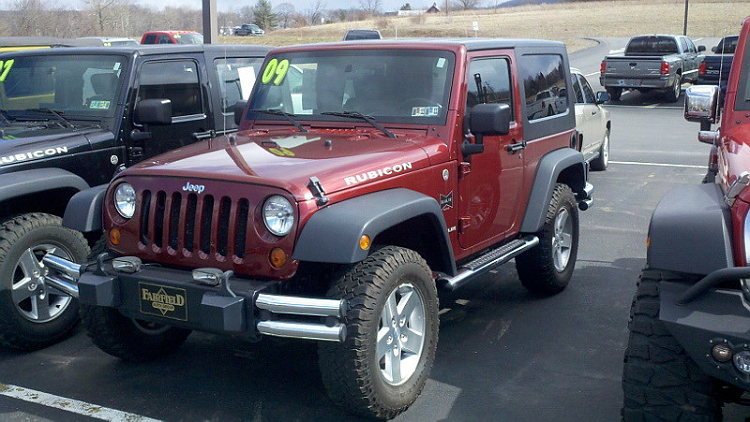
(517, 146)
(593, 113)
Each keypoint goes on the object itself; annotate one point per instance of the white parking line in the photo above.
(591, 74)
(661, 107)
(70, 405)
(635, 163)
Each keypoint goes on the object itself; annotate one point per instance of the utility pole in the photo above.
(684, 27)
(210, 22)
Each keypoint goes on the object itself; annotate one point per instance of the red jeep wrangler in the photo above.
(364, 178)
(689, 347)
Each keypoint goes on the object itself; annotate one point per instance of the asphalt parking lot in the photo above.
(503, 354)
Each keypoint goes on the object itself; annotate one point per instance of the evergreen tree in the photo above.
(264, 16)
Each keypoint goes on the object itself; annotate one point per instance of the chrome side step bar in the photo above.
(488, 261)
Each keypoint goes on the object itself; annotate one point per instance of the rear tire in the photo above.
(130, 339)
(660, 381)
(602, 161)
(673, 94)
(32, 315)
(392, 334)
(547, 268)
(614, 93)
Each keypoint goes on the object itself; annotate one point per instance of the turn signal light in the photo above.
(721, 352)
(702, 69)
(603, 67)
(114, 236)
(277, 257)
(364, 242)
(664, 68)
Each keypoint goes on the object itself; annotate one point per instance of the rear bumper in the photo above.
(660, 82)
(173, 297)
(719, 316)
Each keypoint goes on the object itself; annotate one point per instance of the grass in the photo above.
(570, 23)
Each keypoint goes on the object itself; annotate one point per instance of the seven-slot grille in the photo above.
(188, 223)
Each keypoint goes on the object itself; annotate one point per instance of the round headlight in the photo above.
(125, 200)
(278, 215)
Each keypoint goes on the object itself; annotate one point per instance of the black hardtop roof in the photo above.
(155, 49)
(40, 41)
(471, 44)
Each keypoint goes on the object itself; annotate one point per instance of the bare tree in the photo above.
(284, 13)
(372, 7)
(315, 12)
(467, 4)
(29, 17)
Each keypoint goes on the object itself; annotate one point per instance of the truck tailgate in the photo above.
(633, 67)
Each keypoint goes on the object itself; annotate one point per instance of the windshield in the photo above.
(74, 86)
(189, 38)
(398, 86)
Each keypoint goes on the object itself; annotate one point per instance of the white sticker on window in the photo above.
(441, 63)
(247, 80)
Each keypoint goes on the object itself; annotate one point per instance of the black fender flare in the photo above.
(691, 231)
(332, 234)
(84, 210)
(25, 182)
(566, 162)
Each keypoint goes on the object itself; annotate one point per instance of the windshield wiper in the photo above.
(360, 116)
(56, 113)
(277, 112)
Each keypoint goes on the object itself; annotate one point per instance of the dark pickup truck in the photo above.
(715, 68)
(71, 118)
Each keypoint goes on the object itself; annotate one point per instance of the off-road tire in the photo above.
(673, 93)
(351, 370)
(536, 267)
(660, 381)
(601, 162)
(614, 93)
(18, 235)
(119, 336)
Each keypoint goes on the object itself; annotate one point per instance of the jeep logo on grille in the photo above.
(189, 187)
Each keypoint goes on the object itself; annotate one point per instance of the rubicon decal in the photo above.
(26, 156)
(374, 174)
(446, 201)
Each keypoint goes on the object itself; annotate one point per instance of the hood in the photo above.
(338, 158)
(20, 143)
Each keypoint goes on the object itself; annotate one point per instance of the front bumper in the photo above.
(718, 316)
(173, 297)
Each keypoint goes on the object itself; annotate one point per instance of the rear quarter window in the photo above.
(544, 85)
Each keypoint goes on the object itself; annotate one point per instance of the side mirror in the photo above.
(156, 111)
(701, 104)
(489, 119)
(486, 119)
(701, 48)
(602, 97)
(237, 110)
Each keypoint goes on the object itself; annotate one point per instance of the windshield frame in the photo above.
(450, 56)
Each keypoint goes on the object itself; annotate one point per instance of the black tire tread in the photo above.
(660, 381)
(345, 375)
(11, 231)
(116, 335)
(536, 270)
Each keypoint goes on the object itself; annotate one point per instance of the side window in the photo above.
(164, 39)
(691, 46)
(683, 42)
(577, 93)
(544, 85)
(588, 93)
(174, 80)
(150, 39)
(489, 82)
(236, 78)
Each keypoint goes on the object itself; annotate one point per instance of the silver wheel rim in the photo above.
(605, 151)
(32, 298)
(562, 241)
(677, 87)
(401, 334)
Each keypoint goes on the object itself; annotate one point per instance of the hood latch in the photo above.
(317, 190)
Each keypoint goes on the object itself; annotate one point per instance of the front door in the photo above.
(178, 81)
(493, 179)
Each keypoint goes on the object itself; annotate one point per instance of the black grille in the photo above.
(189, 222)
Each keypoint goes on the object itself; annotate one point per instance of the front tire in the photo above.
(602, 161)
(547, 268)
(33, 316)
(392, 333)
(128, 338)
(659, 379)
